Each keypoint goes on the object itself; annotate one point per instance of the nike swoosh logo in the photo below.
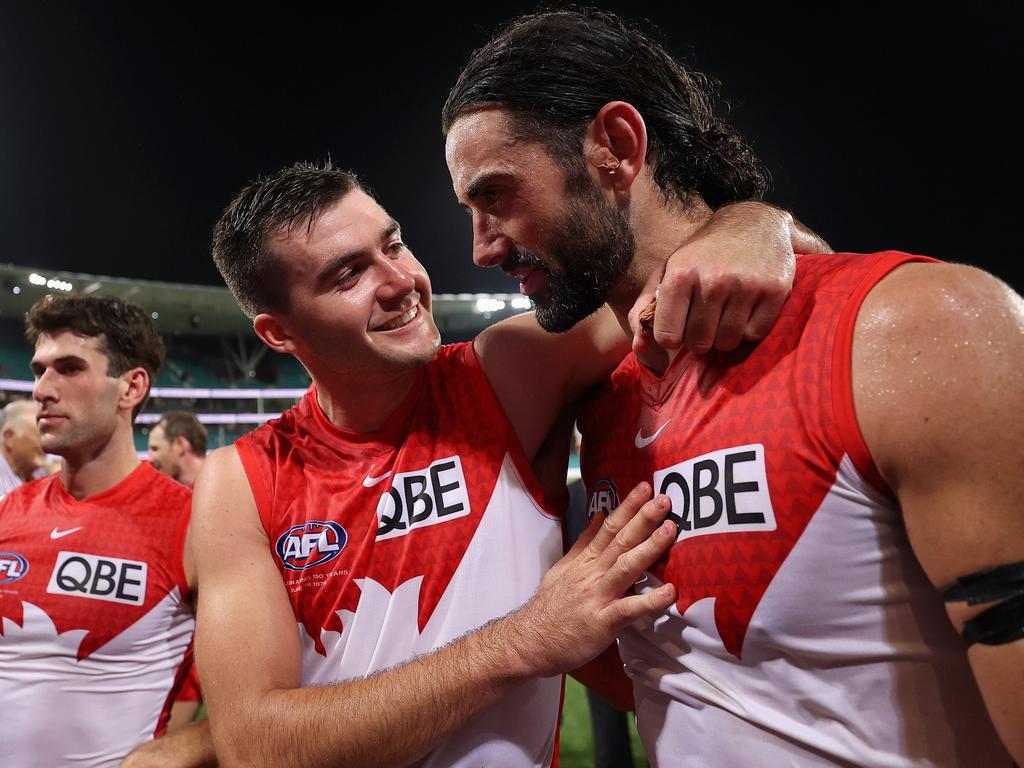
(643, 442)
(370, 481)
(56, 534)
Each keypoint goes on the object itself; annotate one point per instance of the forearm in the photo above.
(388, 719)
(188, 747)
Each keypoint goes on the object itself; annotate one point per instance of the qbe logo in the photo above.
(435, 494)
(604, 499)
(720, 492)
(310, 544)
(12, 567)
(78, 574)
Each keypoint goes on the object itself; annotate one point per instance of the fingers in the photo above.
(638, 529)
(633, 607)
(647, 295)
(705, 311)
(678, 298)
(601, 533)
(734, 322)
(763, 317)
(631, 564)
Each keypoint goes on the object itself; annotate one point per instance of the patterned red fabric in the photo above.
(777, 394)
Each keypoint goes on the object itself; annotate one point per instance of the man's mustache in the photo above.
(525, 259)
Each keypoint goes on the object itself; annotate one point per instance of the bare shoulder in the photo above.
(222, 493)
(936, 347)
(938, 387)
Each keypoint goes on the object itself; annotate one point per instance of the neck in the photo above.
(190, 466)
(10, 462)
(362, 402)
(96, 469)
(661, 228)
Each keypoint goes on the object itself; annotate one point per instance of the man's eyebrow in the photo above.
(339, 262)
(34, 363)
(473, 190)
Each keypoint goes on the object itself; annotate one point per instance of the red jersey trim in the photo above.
(179, 544)
(257, 483)
(845, 414)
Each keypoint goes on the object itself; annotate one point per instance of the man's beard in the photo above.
(591, 246)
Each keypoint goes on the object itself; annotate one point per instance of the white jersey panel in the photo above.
(104, 704)
(848, 649)
(514, 545)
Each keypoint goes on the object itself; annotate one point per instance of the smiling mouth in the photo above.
(402, 320)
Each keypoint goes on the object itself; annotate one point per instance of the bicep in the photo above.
(939, 392)
(246, 638)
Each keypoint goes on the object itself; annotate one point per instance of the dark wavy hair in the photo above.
(126, 334)
(554, 71)
(296, 194)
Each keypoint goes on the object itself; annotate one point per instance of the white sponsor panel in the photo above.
(97, 577)
(724, 491)
(428, 496)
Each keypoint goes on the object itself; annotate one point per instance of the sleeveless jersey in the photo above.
(393, 544)
(805, 632)
(95, 632)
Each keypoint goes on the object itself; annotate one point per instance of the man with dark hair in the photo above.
(21, 456)
(832, 486)
(177, 446)
(394, 513)
(96, 620)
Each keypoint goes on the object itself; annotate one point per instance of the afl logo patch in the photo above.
(604, 498)
(12, 567)
(310, 544)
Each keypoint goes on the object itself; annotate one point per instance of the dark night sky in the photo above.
(125, 129)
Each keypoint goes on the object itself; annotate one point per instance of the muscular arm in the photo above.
(249, 653)
(938, 366)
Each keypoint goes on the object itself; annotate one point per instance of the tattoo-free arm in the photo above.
(248, 649)
(938, 375)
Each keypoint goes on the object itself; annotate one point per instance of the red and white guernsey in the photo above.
(805, 633)
(95, 630)
(395, 543)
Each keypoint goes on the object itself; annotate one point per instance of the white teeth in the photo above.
(404, 319)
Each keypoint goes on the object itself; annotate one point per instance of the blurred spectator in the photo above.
(177, 446)
(21, 454)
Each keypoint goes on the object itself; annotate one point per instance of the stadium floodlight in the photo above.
(485, 305)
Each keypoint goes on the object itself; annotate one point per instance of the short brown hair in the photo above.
(296, 194)
(125, 332)
(177, 424)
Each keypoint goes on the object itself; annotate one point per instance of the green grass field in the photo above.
(577, 740)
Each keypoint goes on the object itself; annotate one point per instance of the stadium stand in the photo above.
(215, 367)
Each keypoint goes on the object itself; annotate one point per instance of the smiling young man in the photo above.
(394, 514)
(96, 624)
(833, 486)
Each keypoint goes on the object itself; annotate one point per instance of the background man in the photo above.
(20, 453)
(820, 480)
(96, 621)
(177, 446)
